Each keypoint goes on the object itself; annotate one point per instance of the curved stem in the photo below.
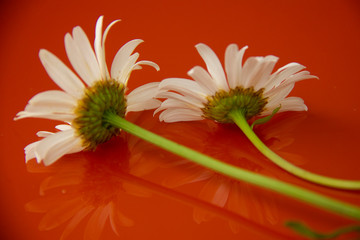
(308, 232)
(240, 120)
(299, 193)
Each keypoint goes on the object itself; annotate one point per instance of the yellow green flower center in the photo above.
(246, 100)
(103, 96)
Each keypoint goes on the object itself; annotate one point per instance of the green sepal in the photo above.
(265, 119)
(304, 230)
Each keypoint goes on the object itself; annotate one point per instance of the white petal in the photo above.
(287, 104)
(30, 151)
(103, 46)
(63, 127)
(213, 65)
(82, 56)
(76, 146)
(141, 106)
(231, 64)
(251, 70)
(99, 51)
(145, 62)
(264, 73)
(142, 98)
(53, 104)
(148, 90)
(193, 102)
(48, 108)
(124, 75)
(202, 77)
(298, 77)
(143, 93)
(282, 73)
(174, 104)
(43, 134)
(107, 31)
(276, 95)
(54, 97)
(55, 146)
(51, 101)
(61, 74)
(239, 66)
(293, 104)
(60, 116)
(178, 115)
(122, 56)
(184, 86)
(289, 81)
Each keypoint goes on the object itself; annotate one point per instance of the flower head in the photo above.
(251, 88)
(83, 101)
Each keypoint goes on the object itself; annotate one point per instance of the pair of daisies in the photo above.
(252, 87)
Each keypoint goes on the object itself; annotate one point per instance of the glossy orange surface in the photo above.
(129, 189)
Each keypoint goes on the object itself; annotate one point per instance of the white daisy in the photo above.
(81, 103)
(250, 87)
(239, 93)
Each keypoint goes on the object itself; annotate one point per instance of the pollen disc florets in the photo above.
(103, 96)
(247, 100)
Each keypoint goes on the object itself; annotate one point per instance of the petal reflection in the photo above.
(227, 143)
(86, 187)
(89, 191)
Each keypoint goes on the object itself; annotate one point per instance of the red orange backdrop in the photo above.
(156, 195)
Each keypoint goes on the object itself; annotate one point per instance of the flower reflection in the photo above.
(225, 142)
(85, 190)
(86, 186)
(93, 187)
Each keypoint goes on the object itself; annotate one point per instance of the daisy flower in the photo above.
(86, 96)
(238, 94)
(250, 87)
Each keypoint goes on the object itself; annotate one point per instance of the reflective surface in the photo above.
(128, 189)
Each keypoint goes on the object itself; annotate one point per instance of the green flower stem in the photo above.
(239, 119)
(310, 197)
(308, 232)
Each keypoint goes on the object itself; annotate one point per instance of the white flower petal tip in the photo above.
(239, 79)
(17, 117)
(100, 18)
(202, 45)
(114, 22)
(233, 47)
(157, 67)
(213, 65)
(100, 21)
(313, 77)
(149, 63)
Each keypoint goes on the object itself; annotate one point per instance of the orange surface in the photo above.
(153, 194)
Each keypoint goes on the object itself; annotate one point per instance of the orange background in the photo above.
(164, 197)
